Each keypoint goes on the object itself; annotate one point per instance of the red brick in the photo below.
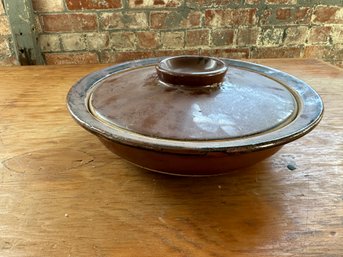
(317, 52)
(302, 15)
(8, 61)
(222, 37)
(91, 4)
(71, 58)
(281, 1)
(159, 2)
(160, 53)
(283, 14)
(154, 3)
(128, 56)
(109, 56)
(214, 18)
(69, 22)
(286, 15)
(227, 53)
(247, 36)
(328, 14)
(319, 34)
(158, 20)
(119, 57)
(220, 18)
(197, 37)
(192, 20)
(211, 3)
(276, 52)
(48, 5)
(147, 39)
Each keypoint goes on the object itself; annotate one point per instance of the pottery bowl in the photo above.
(188, 128)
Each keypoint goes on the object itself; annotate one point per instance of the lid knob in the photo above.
(192, 71)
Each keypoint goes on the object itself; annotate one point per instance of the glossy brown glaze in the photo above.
(194, 130)
(192, 71)
(246, 103)
(200, 164)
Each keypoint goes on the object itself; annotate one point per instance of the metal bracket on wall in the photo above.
(21, 19)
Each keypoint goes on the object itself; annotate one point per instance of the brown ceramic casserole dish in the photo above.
(193, 115)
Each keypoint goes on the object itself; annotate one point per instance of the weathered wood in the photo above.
(63, 194)
(21, 18)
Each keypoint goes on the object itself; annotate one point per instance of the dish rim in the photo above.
(309, 114)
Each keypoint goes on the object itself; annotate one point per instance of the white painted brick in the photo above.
(98, 41)
(48, 5)
(73, 42)
(49, 43)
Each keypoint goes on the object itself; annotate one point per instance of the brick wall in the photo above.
(7, 56)
(106, 31)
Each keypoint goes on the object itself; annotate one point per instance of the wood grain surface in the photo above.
(63, 194)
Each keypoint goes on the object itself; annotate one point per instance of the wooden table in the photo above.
(63, 194)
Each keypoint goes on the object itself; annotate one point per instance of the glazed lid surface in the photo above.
(252, 106)
(245, 103)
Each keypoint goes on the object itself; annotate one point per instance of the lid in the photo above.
(200, 101)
